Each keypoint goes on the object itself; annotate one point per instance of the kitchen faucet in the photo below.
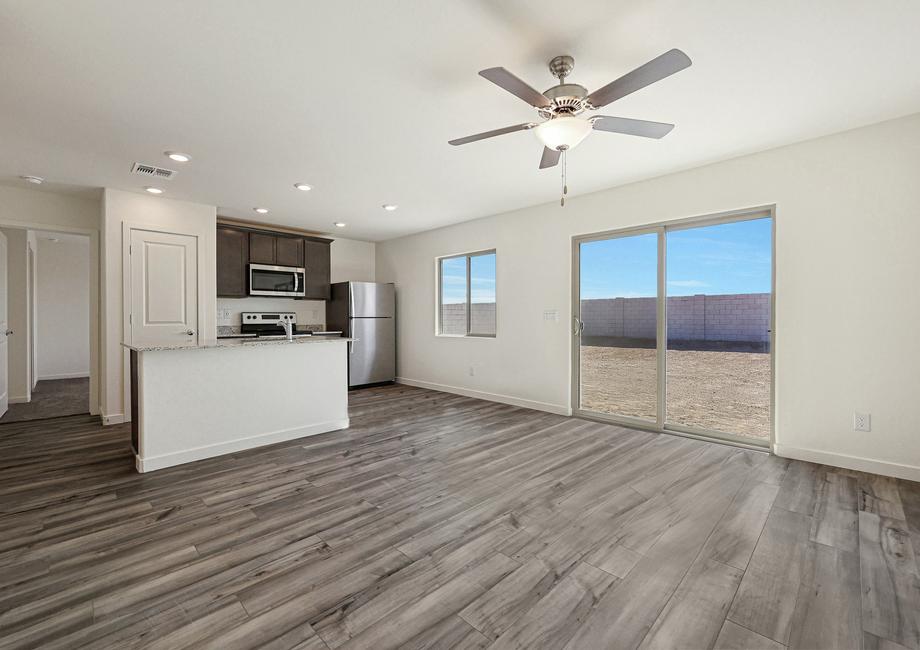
(288, 328)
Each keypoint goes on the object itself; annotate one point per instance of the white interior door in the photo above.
(164, 288)
(4, 332)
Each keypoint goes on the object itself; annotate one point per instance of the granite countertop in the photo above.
(238, 343)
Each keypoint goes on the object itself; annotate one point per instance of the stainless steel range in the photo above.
(269, 324)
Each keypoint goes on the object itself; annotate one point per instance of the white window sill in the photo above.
(466, 336)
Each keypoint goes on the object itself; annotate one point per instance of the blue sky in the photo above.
(482, 279)
(726, 258)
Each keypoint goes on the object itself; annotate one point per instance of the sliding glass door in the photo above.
(674, 326)
(618, 342)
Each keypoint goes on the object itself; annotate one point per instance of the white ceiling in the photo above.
(359, 98)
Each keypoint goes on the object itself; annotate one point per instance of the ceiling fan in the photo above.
(562, 106)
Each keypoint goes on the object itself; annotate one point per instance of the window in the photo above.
(466, 294)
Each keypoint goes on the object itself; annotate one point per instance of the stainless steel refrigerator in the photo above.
(366, 312)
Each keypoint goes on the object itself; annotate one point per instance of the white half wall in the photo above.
(847, 308)
(200, 403)
(143, 210)
(62, 306)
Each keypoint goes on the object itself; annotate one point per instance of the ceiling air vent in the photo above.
(152, 171)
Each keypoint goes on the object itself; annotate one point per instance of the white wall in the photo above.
(48, 211)
(62, 307)
(17, 315)
(353, 261)
(121, 208)
(847, 305)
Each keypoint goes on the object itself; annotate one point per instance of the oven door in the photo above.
(268, 280)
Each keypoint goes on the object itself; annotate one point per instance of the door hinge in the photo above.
(130, 319)
(130, 249)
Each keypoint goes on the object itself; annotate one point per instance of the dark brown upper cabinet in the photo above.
(261, 248)
(232, 256)
(281, 250)
(289, 251)
(317, 264)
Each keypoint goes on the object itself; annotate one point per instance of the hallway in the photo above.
(52, 398)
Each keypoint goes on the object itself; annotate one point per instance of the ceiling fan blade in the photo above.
(631, 127)
(504, 79)
(550, 158)
(492, 134)
(655, 70)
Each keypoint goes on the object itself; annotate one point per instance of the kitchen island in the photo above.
(195, 402)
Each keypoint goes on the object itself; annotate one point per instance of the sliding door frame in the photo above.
(661, 229)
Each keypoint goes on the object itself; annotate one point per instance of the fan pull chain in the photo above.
(565, 187)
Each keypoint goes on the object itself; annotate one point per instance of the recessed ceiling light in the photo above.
(339, 224)
(154, 190)
(389, 207)
(261, 210)
(303, 187)
(38, 180)
(52, 239)
(178, 156)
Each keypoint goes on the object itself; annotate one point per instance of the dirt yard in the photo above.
(725, 391)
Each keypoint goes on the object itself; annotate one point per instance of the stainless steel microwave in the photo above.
(268, 280)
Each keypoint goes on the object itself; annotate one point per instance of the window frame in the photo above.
(438, 264)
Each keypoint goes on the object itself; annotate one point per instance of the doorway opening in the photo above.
(46, 305)
(674, 327)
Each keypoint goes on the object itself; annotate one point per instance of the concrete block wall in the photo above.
(482, 321)
(732, 317)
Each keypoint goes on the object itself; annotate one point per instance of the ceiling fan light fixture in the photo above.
(563, 132)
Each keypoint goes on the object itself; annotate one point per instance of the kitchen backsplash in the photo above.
(309, 312)
(230, 330)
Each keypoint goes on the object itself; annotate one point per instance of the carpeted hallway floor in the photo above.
(52, 398)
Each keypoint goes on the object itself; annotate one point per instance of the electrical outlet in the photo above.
(862, 421)
(472, 371)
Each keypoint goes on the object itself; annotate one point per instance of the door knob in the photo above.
(8, 332)
(191, 332)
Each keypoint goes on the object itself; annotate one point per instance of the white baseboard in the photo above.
(885, 468)
(558, 409)
(152, 463)
(112, 418)
(65, 375)
(22, 399)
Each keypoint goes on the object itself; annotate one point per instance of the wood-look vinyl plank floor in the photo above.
(441, 521)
